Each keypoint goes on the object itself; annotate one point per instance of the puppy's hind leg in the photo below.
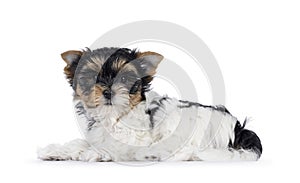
(69, 151)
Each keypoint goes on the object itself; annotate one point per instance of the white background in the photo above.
(257, 47)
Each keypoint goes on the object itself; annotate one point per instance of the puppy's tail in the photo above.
(246, 140)
(246, 146)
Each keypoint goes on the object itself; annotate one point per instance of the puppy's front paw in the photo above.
(94, 156)
(53, 152)
(68, 151)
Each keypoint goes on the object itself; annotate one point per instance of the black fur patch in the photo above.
(135, 87)
(245, 139)
(145, 85)
(108, 72)
(188, 104)
(81, 111)
(151, 112)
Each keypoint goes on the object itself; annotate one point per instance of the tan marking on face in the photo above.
(135, 99)
(85, 98)
(93, 98)
(98, 94)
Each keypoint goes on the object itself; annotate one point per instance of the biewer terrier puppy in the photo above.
(122, 120)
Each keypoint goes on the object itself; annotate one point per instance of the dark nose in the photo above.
(107, 94)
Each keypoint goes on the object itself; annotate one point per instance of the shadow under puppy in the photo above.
(122, 120)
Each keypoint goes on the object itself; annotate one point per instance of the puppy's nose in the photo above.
(107, 94)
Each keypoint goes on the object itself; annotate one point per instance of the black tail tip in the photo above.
(246, 139)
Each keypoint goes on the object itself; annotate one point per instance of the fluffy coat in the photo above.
(123, 121)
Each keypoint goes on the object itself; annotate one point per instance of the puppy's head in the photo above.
(110, 77)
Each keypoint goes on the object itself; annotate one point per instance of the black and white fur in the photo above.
(156, 128)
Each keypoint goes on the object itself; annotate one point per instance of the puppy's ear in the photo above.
(149, 62)
(72, 58)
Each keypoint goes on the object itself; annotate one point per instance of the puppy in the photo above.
(122, 120)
